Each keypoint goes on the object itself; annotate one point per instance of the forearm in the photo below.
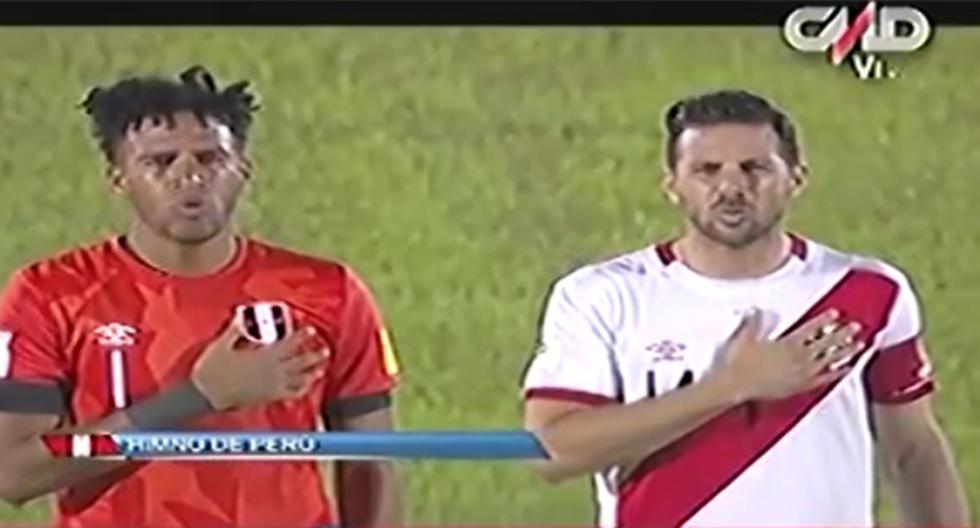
(369, 494)
(30, 470)
(928, 489)
(595, 439)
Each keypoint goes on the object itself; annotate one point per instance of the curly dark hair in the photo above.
(729, 106)
(117, 108)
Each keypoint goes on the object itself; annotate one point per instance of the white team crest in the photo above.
(116, 335)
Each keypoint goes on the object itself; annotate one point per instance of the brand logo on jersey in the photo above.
(264, 322)
(115, 335)
(667, 350)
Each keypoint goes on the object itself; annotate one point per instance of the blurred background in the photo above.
(462, 170)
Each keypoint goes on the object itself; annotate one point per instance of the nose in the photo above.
(185, 170)
(732, 180)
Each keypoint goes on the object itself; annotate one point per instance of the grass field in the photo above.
(462, 170)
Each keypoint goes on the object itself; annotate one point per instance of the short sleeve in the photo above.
(32, 366)
(900, 371)
(574, 360)
(363, 360)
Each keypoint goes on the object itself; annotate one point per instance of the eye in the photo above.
(755, 167)
(707, 168)
(210, 157)
(159, 161)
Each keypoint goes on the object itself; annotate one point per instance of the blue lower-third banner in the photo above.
(266, 445)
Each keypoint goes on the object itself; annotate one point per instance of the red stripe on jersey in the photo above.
(676, 482)
(899, 374)
(571, 395)
(58, 445)
(104, 445)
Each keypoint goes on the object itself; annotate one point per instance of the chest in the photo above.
(672, 336)
(131, 341)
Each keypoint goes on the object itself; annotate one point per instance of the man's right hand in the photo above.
(231, 376)
(813, 355)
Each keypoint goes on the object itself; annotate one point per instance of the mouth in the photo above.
(191, 207)
(733, 216)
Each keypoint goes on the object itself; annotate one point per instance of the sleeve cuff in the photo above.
(908, 395)
(353, 406)
(25, 397)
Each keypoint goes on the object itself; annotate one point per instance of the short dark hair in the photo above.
(127, 103)
(729, 106)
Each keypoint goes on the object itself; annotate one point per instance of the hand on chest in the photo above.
(122, 352)
(667, 347)
(680, 347)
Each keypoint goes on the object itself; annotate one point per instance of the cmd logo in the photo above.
(888, 29)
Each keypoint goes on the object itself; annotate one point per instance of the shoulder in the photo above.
(858, 261)
(297, 266)
(609, 278)
(861, 263)
(69, 272)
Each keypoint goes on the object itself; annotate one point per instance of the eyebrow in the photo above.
(753, 159)
(151, 147)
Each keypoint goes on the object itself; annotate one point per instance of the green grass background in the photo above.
(461, 170)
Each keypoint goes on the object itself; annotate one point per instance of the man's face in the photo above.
(183, 181)
(731, 181)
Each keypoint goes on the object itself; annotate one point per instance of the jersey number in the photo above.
(117, 378)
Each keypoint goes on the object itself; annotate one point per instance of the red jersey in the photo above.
(109, 330)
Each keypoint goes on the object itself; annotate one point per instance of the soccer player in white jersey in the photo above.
(739, 374)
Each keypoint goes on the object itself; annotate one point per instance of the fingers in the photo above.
(299, 363)
(291, 343)
(302, 370)
(838, 357)
(830, 345)
(230, 335)
(832, 337)
(749, 327)
(813, 328)
(298, 382)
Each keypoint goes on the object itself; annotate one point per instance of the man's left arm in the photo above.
(361, 378)
(368, 493)
(919, 465)
(899, 382)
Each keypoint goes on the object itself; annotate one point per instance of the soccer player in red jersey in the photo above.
(138, 332)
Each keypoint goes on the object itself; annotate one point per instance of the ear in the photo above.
(247, 167)
(800, 174)
(243, 162)
(117, 182)
(668, 186)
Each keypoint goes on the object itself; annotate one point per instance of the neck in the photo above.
(719, 261)
(188, 260)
